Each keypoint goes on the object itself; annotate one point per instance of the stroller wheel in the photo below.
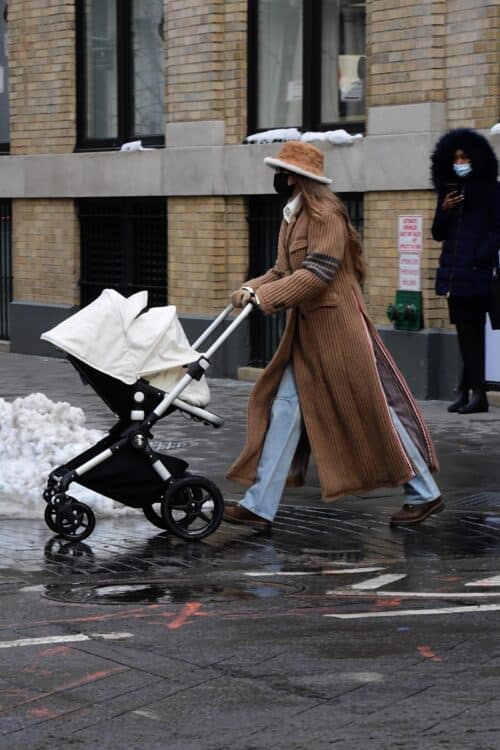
(153, 514)
(192, 507)
(72, 520)
(152, 511)
(50, 517)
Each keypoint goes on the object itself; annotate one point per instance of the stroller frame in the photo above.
(185, 499)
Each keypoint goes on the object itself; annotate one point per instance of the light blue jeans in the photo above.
(280, 444)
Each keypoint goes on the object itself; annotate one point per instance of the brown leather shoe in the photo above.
(239, 514)
(409, 515)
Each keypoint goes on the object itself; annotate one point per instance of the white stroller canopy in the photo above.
(113, 337)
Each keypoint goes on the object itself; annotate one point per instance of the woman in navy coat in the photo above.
(467, 222)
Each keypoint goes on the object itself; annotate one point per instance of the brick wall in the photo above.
(208, 251)
(195, 60)
(473, 63)
(405, 51)
(46, 255)
(42, 76)
(235, 70)
(206, 63)
(381, 249)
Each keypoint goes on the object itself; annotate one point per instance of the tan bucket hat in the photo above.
(300, 158)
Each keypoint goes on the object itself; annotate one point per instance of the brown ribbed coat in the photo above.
(346, 379)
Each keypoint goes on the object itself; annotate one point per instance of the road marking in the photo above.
(349, 571)
(270, 573)
(188, 610)
(378, 581)
(40, 587)
(493, 581)
(147, 713)
(360, 676)
(415, 612)
(428, 653)
(64, 639)
(419, 594)
(339, 572)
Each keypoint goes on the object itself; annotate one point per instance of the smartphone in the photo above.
(454, 187)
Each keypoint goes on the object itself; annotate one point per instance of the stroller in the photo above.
(139, 362)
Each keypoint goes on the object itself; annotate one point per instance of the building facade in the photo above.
(191, 215)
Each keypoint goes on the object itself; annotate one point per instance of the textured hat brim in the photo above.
(279, 164)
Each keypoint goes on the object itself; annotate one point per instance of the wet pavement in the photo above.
(333, 630)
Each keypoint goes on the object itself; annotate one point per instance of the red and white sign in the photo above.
(409, 272)
(410, 234)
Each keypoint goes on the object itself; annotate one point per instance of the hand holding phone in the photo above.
(454, 196)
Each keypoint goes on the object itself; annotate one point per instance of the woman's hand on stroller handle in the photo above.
(242, 297)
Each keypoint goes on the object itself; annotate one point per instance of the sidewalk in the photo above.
(468, 447)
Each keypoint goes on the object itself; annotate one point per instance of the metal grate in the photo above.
(5, 266)
(124, 247)
(264, 217)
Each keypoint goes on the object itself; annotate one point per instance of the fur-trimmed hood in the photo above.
(484, 162)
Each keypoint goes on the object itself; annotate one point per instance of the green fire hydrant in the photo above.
(406, 312)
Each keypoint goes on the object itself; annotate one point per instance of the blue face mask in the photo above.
(462, 170)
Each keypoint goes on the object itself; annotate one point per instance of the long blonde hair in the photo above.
(318, 199)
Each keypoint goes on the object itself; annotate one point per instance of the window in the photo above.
(123, 247)
(4, 80)
(120, 57)
(306, 64)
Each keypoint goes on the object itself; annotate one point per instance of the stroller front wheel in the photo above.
(152, 511)
(192, 507)
(72, 520)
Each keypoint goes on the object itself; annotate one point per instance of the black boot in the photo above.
(477, 403)
(461, 400)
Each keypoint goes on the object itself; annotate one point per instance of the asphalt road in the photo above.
(333, 630)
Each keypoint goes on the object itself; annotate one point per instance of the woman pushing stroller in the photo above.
(331, 389)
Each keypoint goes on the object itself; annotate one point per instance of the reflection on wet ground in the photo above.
(347, 551)
(164, 593)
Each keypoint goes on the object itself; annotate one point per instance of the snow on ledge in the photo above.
(335, 137)
(134, 146)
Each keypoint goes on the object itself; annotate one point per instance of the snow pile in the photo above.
(134, 146)
(36, 436)
(495, 129)
(335, 137)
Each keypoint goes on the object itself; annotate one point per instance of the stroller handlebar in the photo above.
(231, 327)
(219, 319)
(203, 361)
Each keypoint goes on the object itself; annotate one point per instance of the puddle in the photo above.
(158, 592)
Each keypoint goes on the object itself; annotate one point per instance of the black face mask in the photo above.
(281, 185)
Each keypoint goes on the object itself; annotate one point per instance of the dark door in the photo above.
(123, 247)
(5, 266)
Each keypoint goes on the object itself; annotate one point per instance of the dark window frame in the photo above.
(311, 73)
(6, 266)
(114, 232)
(5, 145)
(124, 84)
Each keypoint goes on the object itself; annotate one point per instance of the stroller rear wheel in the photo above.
(71, 520)
(192, 507)
(153, 513)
